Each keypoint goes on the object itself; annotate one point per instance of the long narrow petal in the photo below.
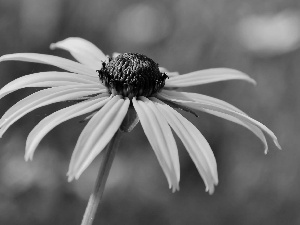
(226, 113)
(188, 96)
(172, 150)
(253, 128)
(42, 98)
(156, 135)
(206, 76)
(48, 79)
(89, 145)
(195, 143)
(62, 63)
(84, 51)
(210, 100)
(58, 117)
(170, 74)
(185, 96)
(88, 131)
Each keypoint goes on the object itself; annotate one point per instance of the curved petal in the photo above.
(254, 129)
(83, 51)
(42, 98)
(206, 76)
(170, 74)
(187, 96)
(228, 114)
(115, 54)
(210, 100)
(195, 143)
(170, 141)
(89, 129)
(48, 79)
(62, 63)
(158, 136)
(58, 117)
(96, 135)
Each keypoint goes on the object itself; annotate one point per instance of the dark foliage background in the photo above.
(261, 38)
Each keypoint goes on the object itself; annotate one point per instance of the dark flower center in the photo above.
(132, 74)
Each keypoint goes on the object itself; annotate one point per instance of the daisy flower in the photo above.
(125, 87)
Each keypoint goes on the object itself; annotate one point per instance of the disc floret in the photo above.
(132, 75)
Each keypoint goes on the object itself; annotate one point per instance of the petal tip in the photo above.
(53, 46)
(175, 188)
(253, 81)
(210, 190)
(216, 181)
(26, 158)
(2, 131)
(278, 145)
(2, 58)
(70, 176)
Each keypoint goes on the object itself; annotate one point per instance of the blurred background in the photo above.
(258, 37)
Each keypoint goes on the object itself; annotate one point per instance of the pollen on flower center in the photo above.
(132, 74)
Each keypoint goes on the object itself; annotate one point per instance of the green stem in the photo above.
(107, 157)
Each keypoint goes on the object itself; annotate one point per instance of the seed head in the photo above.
(132, 74)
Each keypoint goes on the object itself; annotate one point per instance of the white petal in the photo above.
(115, 54)
(89, 129)
(220, 110)
(172, 150)
(62, 63)
(42, 98)
(170, 74)
(244, 118)
(97, 134)
(84, 51)
(206, 76)
(187, 96)
(195, 143)
(162, 69)
(158, 136)
(254, 129)
(210, 100)
(60, 116)
(48, 79)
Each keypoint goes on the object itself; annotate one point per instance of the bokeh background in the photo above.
(259, 37)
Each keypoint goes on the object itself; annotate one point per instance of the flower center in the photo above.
(132, 74)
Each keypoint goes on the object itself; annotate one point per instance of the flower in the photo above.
(109, 89)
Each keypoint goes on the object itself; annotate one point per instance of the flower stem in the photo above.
(107, 157)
